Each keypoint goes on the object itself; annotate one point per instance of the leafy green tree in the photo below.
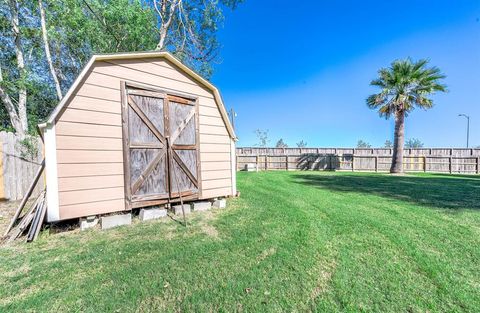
(14, 79)
(45, 43)
(281, 144)
(363, 144)
(387, 144)
(406, 84)
(413, 143)
(79, 28)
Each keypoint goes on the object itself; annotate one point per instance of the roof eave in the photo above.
(136, 55)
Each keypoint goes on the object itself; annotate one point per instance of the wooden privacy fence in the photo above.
(19, 161)
(442, 160)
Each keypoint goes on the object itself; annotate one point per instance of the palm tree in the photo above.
(404, 86)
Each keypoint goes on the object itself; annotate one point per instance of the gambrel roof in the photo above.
(144, 55)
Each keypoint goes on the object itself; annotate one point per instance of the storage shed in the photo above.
(135, 130)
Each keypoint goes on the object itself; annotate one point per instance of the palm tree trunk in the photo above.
(399, 138)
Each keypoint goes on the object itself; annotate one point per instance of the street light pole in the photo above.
(468, 125)
(233, 115)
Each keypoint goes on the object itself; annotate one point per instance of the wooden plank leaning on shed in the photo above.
(26, 197)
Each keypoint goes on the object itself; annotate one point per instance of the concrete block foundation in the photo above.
(88, 222)
(220, 203)
(116, 220)
(151, 214)
(177, 209)
(202, 206)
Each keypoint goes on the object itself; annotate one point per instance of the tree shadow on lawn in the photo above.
(440, 191)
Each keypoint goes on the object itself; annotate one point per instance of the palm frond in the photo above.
(404, 85)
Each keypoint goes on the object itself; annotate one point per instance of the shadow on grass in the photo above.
(440, 191)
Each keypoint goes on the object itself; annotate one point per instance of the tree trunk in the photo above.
(20, 121)
(163, 36)
(166, 18)
(47, 50)
(12, 112)
(399, 138)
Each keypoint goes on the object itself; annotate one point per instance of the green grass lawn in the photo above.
(293, 241)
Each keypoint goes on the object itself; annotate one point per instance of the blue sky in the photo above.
(301, 69)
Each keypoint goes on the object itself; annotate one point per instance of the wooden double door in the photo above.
(160, 147)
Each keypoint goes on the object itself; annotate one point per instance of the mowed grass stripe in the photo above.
(294, 241)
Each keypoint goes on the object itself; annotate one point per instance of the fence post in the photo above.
(329, 161)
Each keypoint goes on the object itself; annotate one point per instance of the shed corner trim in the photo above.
(51, 174)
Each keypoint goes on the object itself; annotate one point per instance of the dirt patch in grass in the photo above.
(324, 277)
(205, 224)
(210, 231)
(22, 270)
(265, 254)
(7, 210)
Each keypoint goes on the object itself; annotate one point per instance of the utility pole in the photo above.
(468, 126)
(233, 115)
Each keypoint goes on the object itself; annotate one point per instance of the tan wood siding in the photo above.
(211, 120)
(87, 130)
(212, 130)
(88, 143)
(89, 136)
(86, 182)
(221, 139)
(99, 92)
(214, 148)
(94, 104)
(217, 192)
(91, 208)
(92, 169)
(208, 110)
(88, 156)
(217, 183)
(215, 165)
(171, 70)
(217, 157)
(216, 174)
(90, 117)
(90, 195)
(119, 70)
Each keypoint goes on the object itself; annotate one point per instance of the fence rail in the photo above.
(18, 165)
(443, 160)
